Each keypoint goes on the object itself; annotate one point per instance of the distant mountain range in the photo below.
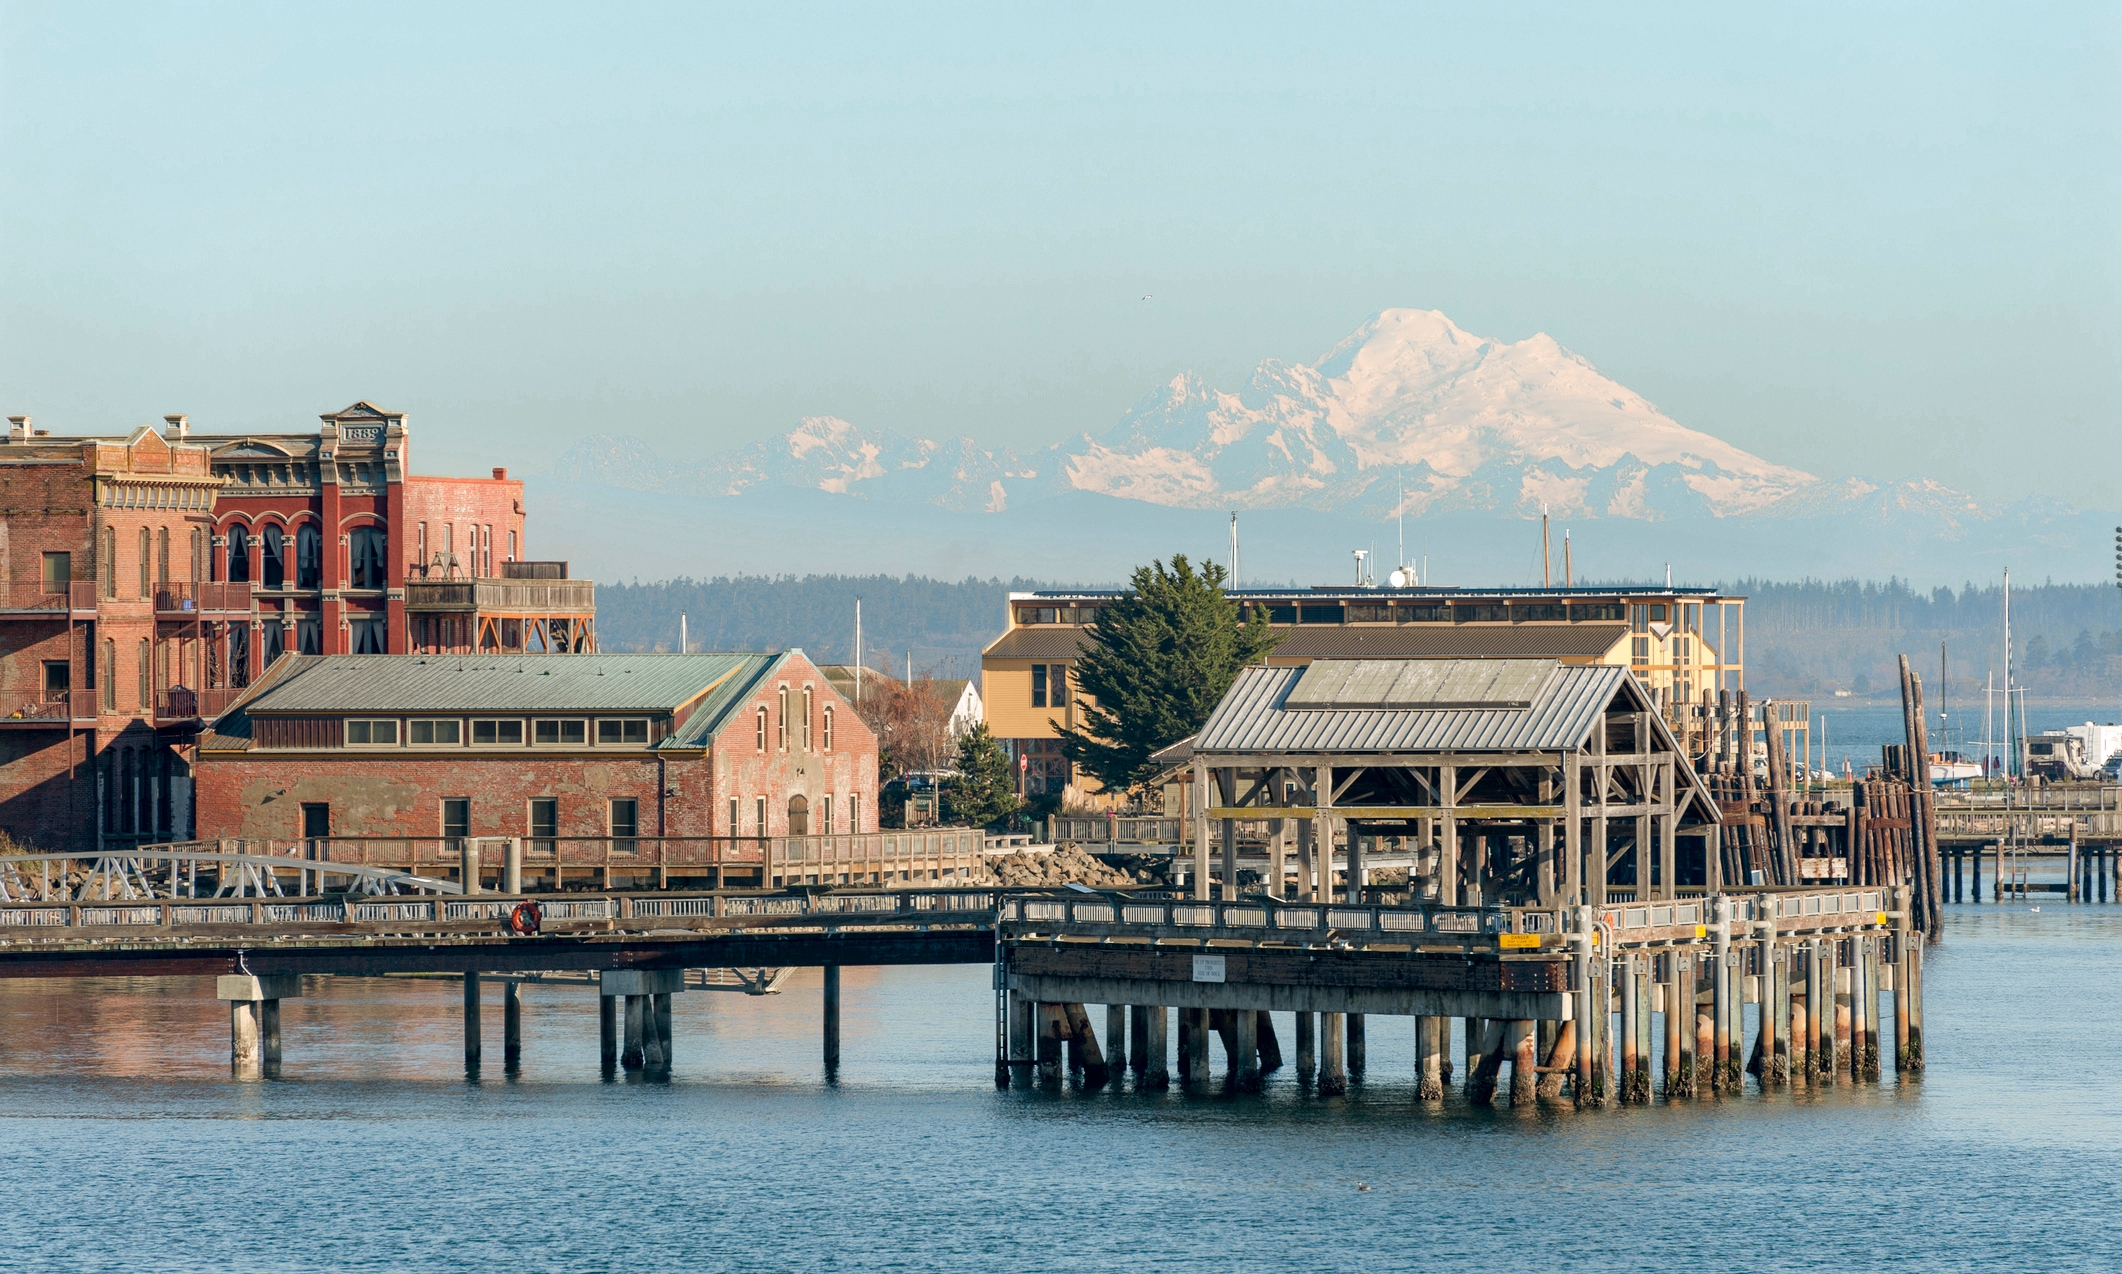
(1410, 416)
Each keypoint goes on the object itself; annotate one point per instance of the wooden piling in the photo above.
(1632, 1062)
(1799, 1000)
(1270, 1043)
(1116, 1037)
(1676, 1013)
(1561, 1060)
(1195, 1038)
(1481, 1080)
(1429, 1061)
(245, 1055)
(1138, 1040)
(633, 1055)
(1914, 1005)
(1245, 1060)
(471, 1016)
(1645, 1042)
(1474, 1030)
(831, 1016)
(608, 1031)
(1053, 1028)
(1872, 965)
(1307, 1045)
(512, 1022)
(1333, 1075)
(1084, 1045)
(1523, 1043)
(1723, 1069)
(1156, 1074)
(1356, 1051)
(654, 1060)
(661, 1005)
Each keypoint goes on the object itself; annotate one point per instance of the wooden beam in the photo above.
(1362, 812)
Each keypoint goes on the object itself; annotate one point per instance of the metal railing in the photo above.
(187, 599)
(182, 871)
(35, 595)
(55, 708)
(182, 703)
(1116, 829)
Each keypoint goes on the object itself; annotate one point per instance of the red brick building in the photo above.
(149, 577)
(643, 752)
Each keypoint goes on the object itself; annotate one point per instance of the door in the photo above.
(316, 820)
(798, 816)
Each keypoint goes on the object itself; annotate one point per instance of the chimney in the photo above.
(180, 427)
(17, 428)
(500, 474)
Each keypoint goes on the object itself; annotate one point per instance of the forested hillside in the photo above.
(1808, 638)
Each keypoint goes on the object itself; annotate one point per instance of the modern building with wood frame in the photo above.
(1681, 644)
(1522, 782)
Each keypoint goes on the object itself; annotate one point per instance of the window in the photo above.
(1657, 614)
(622, 731)
(781, 728)
(544, 823)
(456, 817)
(1038, 615)
(239, 655)
(147, 554)
(272, 556)
(733, 807)
(162, 556)
(309, 557)
(1582, 612)
(1369, 613)
(1538, 611)
(147, 689)
(198, 554)
(854, 812)
(365, 635)
(511, 546)
(309, 636)
(316, 820)
(239, 554)
(373, 732)
(275, 639)
(1039, 685)
(431, 733)
(762, 816)
(1639, 651)
(1086, 615)
(1320, 614)
(825, 812)
(828, 740)
(1481, 614)
(487, 551)
(365, 549)
(562, 731)
(107, 571)
(497, 732)
(806, 717)
(58, 572)
(1681, 650)
(58, 678)
(110, 675)
(1425, 613)
(762, 729)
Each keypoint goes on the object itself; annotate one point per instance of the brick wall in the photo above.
(452, 508)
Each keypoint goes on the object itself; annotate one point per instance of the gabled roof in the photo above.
(335, 684)
(1255, 716)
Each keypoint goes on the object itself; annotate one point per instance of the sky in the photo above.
(1873, 240)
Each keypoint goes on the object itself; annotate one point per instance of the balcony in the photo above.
(33, 598)
(189, 601)
(502, 596)
(56, 709)
(180, 704)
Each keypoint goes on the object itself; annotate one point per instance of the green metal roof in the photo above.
(340, 684)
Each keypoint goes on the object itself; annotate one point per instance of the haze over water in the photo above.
(124, 1144)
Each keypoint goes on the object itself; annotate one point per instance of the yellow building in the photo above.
(1680, 642)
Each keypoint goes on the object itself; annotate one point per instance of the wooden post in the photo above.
(1560, 1059)
(1356, 1051)
(1323, 802)
(1545, 878)
(468, 864)
(1682, 1000)
(1675, 1014)
(1820, 1012)
(1523, 1043)
(1472, 1031)
(831, 1015)
(1227, 783)
(1669, 833)
(608, 1031)
(471, 1018)
(1645, 1039)
(512, 872)
(1137, 1040)
(1116, 1040)
(1053, 1026)
(1203, 798)
(1482, 1080)
(633, 1054)
(1156, 1075)
(1307, 1045)
(1914, 1002)
(1270, 1044)
(1448, 838)
(660, 1003)
(1195, 1037)
(1333, 1076)
(1085, 1045)
(1723, 1070)
(1872, 955)
(1631, 1061)
(1245, 1036)
(512, 1022)
(1429, 1058)
(1305, 864)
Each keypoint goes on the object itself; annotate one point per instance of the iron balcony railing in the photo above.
(202, 599)
(35, 597)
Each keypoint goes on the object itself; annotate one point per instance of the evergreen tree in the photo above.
(1161, 656)
(983, 792)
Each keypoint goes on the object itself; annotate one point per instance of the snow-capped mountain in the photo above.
(1462, 422)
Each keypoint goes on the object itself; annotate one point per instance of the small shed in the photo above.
(1500, 781)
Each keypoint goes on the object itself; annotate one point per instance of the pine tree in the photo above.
(983, 792)
(1162, 654)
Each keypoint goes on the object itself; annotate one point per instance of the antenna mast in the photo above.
(1233, 548)
(1569, 578)
(1547, 577)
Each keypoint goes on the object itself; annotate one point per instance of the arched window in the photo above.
(272, 557)
(109, 566)
(309, 558)
(110, 675)
(828, 728)
(162, 556)
(239, 555)
(147, 689)
(762, 729)
(366, 547)
(781, 730)
(147, 555)
(806, 717)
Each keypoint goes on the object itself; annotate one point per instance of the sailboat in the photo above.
(1946, 765)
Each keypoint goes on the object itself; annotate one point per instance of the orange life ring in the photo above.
(525, 918)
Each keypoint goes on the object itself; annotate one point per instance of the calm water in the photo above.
(1855, 732)
(124, 1145)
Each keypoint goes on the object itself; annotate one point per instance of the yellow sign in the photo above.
(1518, 941)
(1701, 931)
(1882, 917)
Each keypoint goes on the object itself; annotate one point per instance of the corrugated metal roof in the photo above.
(1058, 642)
(1253, 717)
(1450, 641)
(700, 728)
(489, 683)
(1420, 683)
